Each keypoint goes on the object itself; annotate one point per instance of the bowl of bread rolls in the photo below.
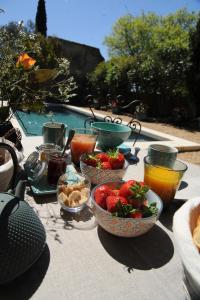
(186, 229)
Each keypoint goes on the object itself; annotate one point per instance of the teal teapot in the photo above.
(22, 235)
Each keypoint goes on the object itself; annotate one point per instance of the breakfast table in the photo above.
(82, 261)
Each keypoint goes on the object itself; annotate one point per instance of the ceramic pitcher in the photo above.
(54, 132)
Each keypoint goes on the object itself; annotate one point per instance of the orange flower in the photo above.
(25, 61)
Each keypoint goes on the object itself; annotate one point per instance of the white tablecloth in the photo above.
(89, 263)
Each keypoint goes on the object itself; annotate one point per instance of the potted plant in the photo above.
(141, 112)
(27, 80)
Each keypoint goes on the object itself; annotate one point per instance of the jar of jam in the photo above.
(46, 149)
(56, 167)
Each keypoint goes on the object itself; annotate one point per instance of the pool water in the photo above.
(32, 123)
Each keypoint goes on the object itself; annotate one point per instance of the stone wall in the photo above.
(83, 58)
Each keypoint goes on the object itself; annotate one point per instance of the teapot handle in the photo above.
(11, 150)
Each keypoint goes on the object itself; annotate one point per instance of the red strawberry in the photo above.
(135, 192)
(141, 183)
(100, 195)
(102, 156)
(116, 159)
(114, 193)
(125, 189)
(90, 160)
(136, 215)
(112, 201)
(105, 165)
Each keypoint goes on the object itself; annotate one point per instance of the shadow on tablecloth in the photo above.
(166, 217)
(149, 251)
(24, 286)
(167, 214)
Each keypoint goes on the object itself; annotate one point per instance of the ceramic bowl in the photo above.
(98, 176)
(73, 191)
(125, 227)
(111, 134)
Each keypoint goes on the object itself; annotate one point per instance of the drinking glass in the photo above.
(54, 133)
(84, 141)
(163, 180)
(73, 191)
(162, 155)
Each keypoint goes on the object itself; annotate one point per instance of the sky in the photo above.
(88, 21)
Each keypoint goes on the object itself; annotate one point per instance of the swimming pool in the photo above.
(32, 123)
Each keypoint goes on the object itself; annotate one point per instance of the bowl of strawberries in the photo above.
(125, 209)
(103, 166)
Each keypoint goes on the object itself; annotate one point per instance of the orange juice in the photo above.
(82, 143)
(163, 181)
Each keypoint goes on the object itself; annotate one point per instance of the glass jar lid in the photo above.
(35, 168)
(48, 147)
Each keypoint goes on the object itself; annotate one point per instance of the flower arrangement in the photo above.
(26, 80)
(25, 61)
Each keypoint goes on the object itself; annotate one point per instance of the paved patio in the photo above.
(193, 136)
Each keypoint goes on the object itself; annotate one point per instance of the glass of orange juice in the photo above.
(84, 141)
(163, 180)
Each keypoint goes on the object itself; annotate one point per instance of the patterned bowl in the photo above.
(125, 227)
(98, 176)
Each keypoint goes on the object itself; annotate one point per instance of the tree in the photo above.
(160, 47)
(148, 32)
(132, 35)
(41, 18)
(194, 71)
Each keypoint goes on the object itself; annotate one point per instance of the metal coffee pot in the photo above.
(22, 235)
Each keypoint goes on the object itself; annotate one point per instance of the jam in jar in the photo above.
(56, 167)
